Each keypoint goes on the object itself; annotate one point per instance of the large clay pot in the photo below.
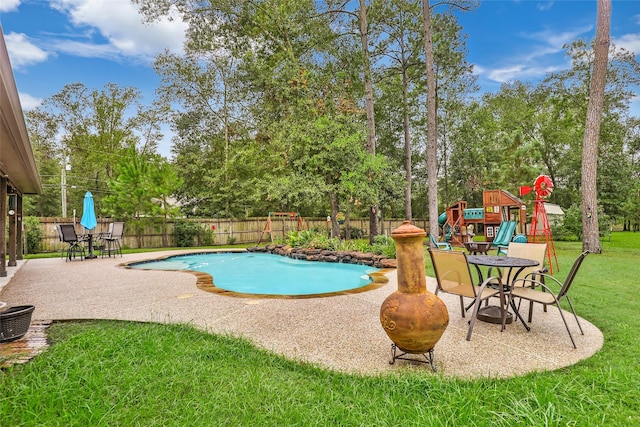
(413, 318)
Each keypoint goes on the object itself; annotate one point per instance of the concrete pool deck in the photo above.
(340, 332)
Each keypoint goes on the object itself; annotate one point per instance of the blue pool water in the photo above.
(267, 274)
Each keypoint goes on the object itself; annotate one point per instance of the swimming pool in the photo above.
(267, 274)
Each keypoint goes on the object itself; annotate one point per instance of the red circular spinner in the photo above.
(543, 186)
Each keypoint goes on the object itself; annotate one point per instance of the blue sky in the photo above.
(56, 42)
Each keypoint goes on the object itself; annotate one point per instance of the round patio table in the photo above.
(493, 314)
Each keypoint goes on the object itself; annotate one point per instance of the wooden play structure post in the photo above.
(455, 230)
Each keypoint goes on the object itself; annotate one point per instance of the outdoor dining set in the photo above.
(103, 243)
(510, 279)
(89, 245)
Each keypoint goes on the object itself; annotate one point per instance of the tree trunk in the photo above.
(368, 95)
(590, 230)
(407, 142)
(432, 131)
(335, 227)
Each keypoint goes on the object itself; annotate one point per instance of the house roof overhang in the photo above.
(17, 162)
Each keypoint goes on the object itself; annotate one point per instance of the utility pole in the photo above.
(63, 183)
(63, 190)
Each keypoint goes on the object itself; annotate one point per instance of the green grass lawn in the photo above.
(103, 373)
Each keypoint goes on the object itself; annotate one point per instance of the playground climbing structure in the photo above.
(500, 208)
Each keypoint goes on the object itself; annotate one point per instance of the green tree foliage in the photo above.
(42, 134)
(185, 233)
(85, 132)
(211, 135)
(34, 234)
(141, 190)
(269, 110)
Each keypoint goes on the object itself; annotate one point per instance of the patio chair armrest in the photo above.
(532, 283)
(494, 279)
(503, 288)
(543, 277)
(536, 273)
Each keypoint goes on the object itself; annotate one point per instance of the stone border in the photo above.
(323, 255)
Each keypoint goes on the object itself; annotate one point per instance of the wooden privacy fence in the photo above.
(219, 231)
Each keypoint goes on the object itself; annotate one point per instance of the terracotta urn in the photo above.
(413, 318)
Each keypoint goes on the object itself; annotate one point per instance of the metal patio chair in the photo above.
(110, 242)
(526, 289)
(454, 276)
(69, 236)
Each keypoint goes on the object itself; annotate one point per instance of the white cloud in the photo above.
(9, 5)
(552, 41)
(121, 24)
(84, 49)
(519, 72)
(547, 5)
(22, 51)
(538, 59)
(630, 42)
(29, 102)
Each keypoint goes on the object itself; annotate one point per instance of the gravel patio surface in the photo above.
(339, 332)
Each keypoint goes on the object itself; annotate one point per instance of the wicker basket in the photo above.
(14, 322)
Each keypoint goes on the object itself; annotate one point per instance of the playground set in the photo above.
(503, 218)
(503, 215)
(289, 221)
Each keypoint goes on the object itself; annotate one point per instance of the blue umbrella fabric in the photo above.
(88, 220)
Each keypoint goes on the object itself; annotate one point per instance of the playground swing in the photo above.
(287, 218)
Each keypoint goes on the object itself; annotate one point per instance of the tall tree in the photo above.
(369, 107)
(432, 124)
(590, 229)
(400, 21)
(206, 88)
(42, 135)
(561, 103)
(141, 189)
(342, 7)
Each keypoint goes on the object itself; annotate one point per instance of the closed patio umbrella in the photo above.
(88, 220)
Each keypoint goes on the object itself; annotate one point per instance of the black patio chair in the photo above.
(110, 242)
(64, 250)
(69, 236)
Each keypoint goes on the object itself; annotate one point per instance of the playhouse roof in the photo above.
(516, 200)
